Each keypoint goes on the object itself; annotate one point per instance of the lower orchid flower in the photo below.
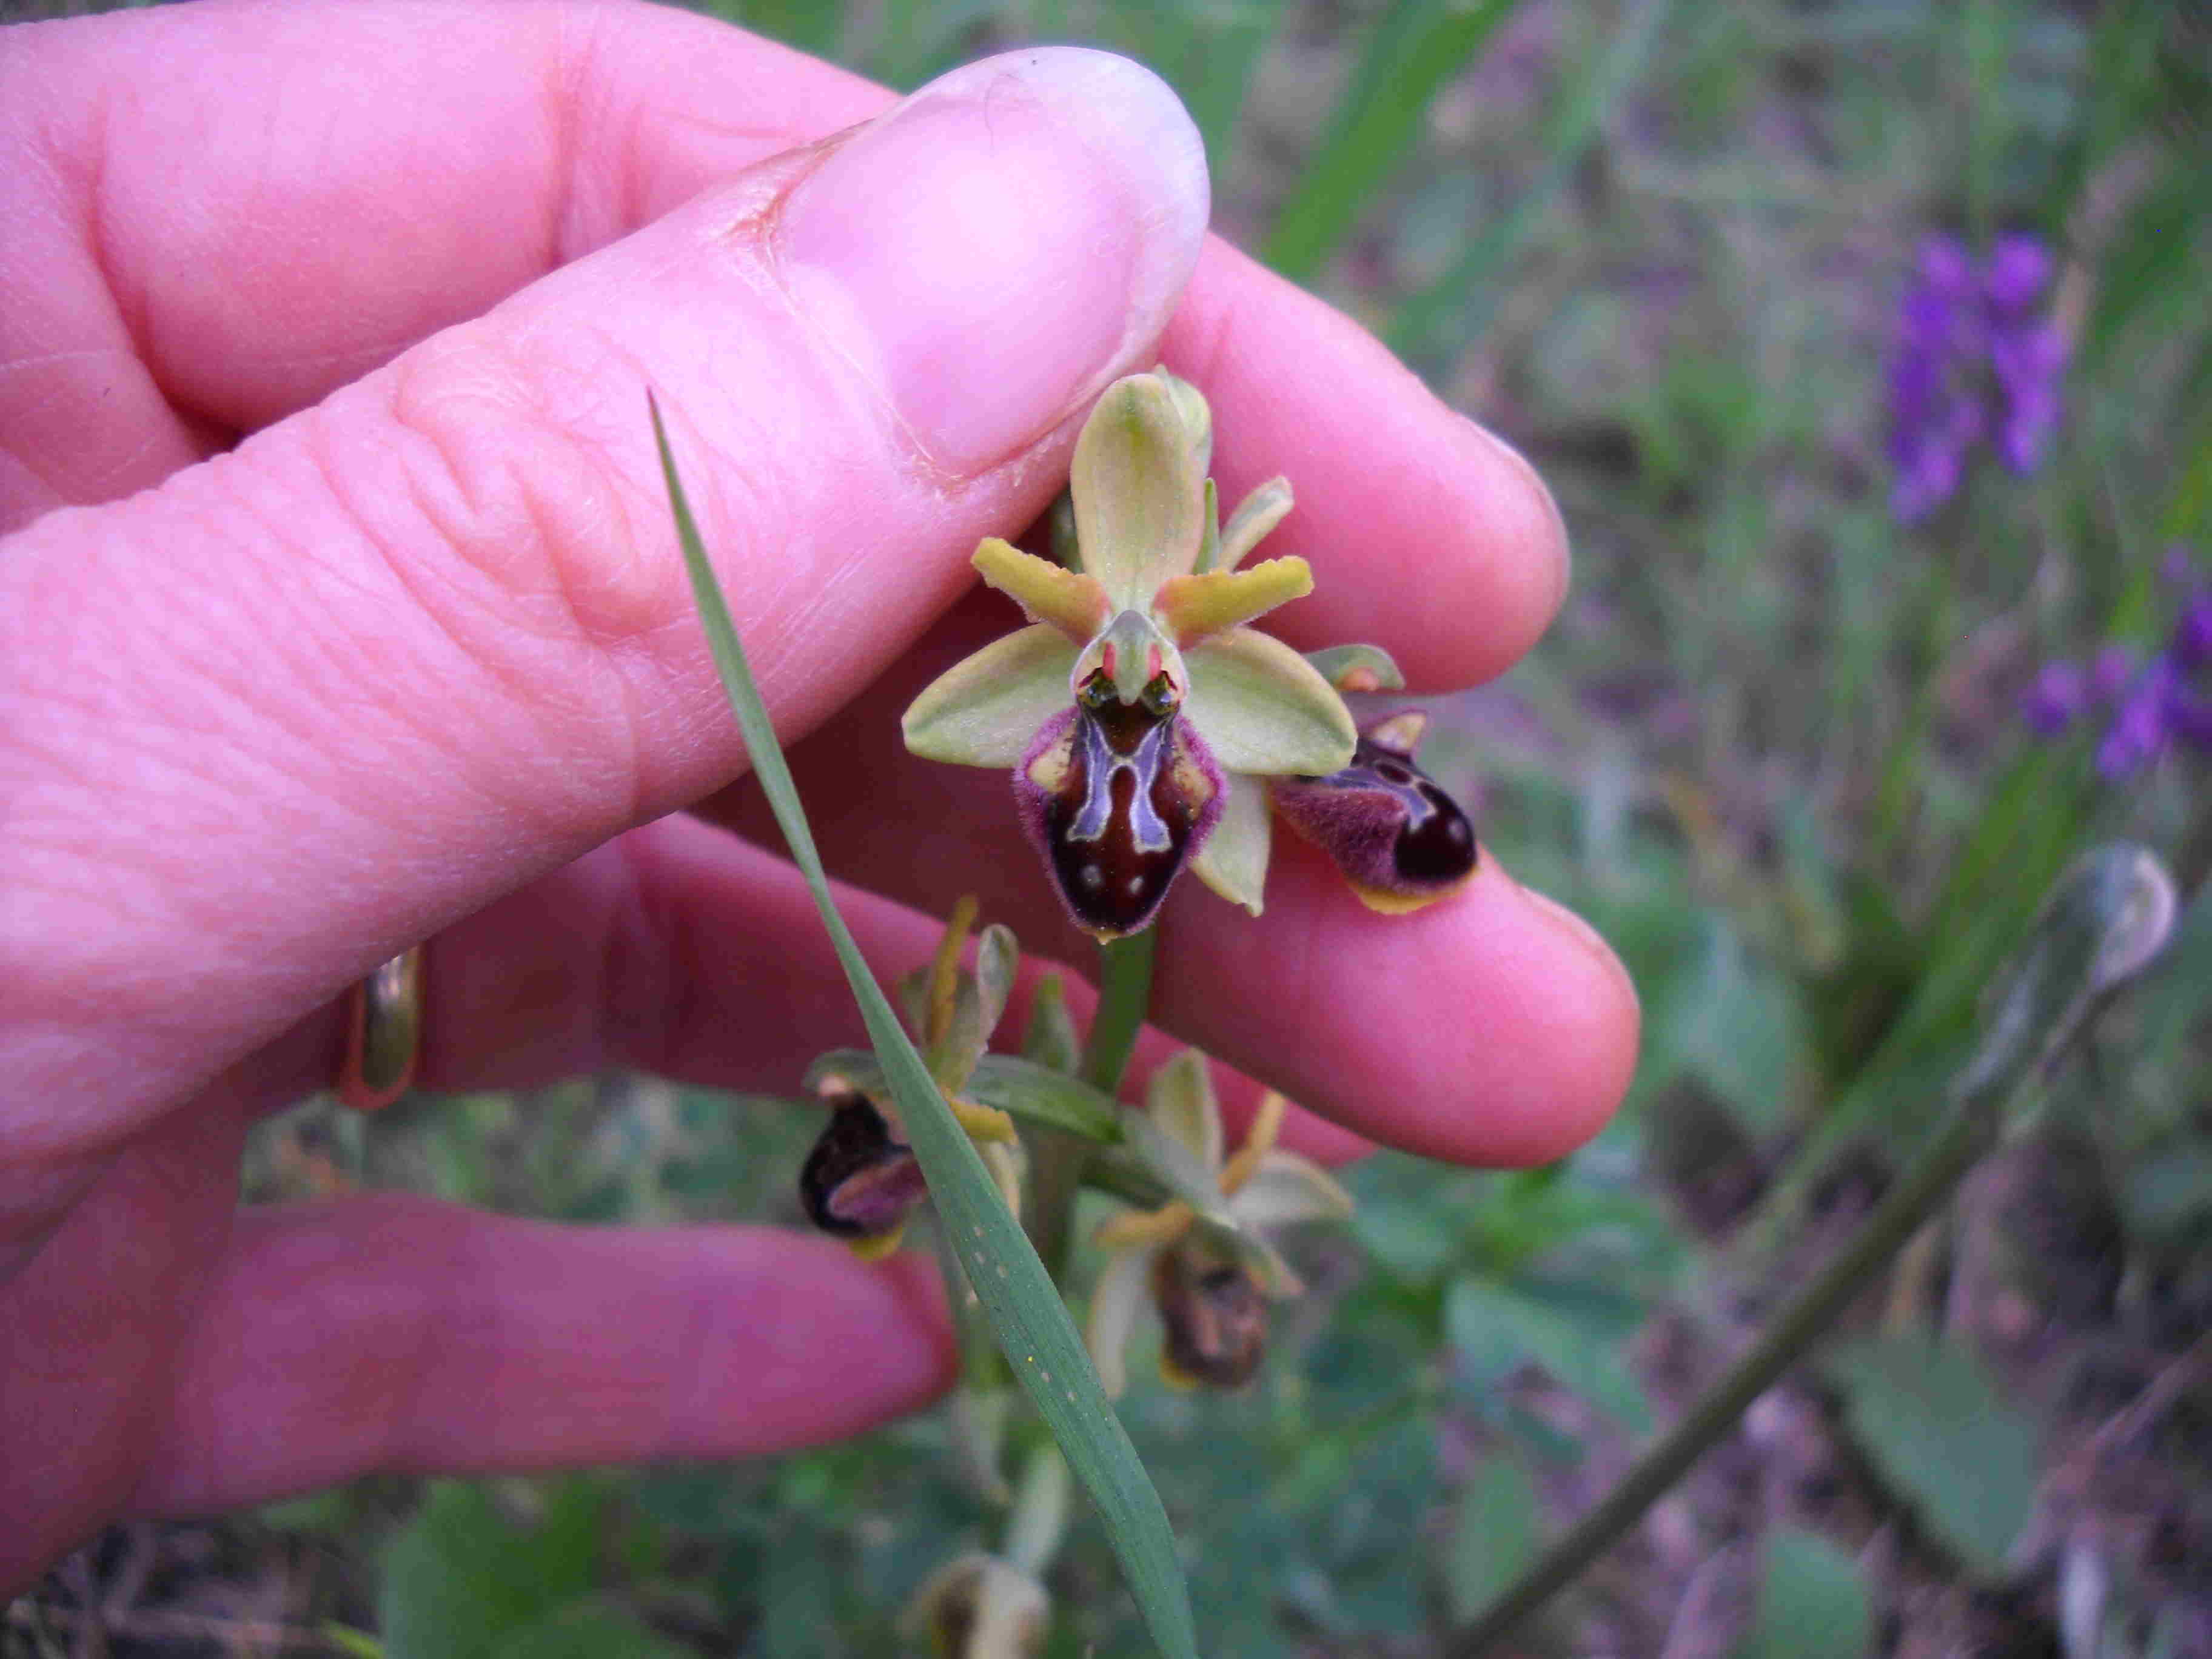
(1203, 1259)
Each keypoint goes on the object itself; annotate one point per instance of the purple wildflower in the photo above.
(2168, 704)
(2060, 692)
(2191, 646)
(2137, 735)
(1974, 361)
(2110, 670)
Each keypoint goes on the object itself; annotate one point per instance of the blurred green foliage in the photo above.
(1770, 748)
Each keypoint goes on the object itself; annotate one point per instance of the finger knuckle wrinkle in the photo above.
(534, 521)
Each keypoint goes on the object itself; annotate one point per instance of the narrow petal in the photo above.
(986, 709)
(1255, 515)
(1259, 1142)
(1124, 1286)
(1357, 668)
(1181, 1100)
(1400, 735)
(1286, 1189)
(1073, 602)
(1137, 489)
(1261, 707)
(1234, 861)
(1195, 608)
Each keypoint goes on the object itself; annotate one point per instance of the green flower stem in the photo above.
(2107, 922)
(1058, 1162)
(1125, 996)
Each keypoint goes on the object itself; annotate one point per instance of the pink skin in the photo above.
(414, 658)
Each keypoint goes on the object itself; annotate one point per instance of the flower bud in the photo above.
(979, 1607)
(1215, 1317)
(861, 1181)
(1401, 841)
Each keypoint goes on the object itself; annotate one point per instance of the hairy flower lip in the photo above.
(1401, 841)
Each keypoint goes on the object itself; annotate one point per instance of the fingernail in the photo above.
(1547, 528)
(1567, 925)
(993, 250)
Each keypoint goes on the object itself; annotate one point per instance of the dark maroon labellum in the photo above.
(860, 1180)
(1117, 796)
(1389, 827)
(1215, 1317)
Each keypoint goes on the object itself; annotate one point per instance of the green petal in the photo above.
(1139, 490)
(1209, 538)
(984, 710)
(1357, 668)
(1255, 515)
(1234, 861)
(1261, 707)
(1070, 601)
(1116, 1300)
(1286, 1189)
(1196, 607)
(1180, 1098)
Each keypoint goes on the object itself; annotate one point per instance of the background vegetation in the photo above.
(1774, 748)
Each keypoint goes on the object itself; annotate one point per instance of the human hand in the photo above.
(327, 330)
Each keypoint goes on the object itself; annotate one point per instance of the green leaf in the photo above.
(1028, 1091)
(1479, 1314)
(593, 1628)
(1435, 322)
(460, 1578)
(1811, 1604)
(1418, 47)
(1946, 1440)
(1493, 1535)
(1026, 1313)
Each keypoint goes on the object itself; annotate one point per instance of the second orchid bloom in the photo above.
(1142, 718)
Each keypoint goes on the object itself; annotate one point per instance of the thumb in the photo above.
(311, 700)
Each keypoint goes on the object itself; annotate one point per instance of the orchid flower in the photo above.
(862, 1180)
(1137, 710)
(1399, 839)
(1203, 1258)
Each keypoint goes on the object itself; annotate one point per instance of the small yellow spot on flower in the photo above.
(875, 1247)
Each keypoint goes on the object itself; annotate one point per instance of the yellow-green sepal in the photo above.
(985, 709)
(1234, 861)
(1260, 706)
(1139, 484)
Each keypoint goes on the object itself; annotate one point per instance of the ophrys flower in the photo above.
(1131, 704)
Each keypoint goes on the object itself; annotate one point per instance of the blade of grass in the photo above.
(1025, 1311)
(1418, 47)
(1452, 310)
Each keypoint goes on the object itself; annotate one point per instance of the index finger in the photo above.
(316, 189)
